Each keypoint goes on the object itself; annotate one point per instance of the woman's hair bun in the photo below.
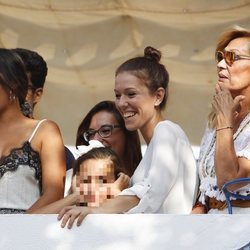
(152, 53)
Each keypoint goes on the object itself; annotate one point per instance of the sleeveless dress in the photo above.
(20, 178)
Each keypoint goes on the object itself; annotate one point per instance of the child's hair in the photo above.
(99, 154)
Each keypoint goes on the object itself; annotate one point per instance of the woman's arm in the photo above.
(117, 205)
(48, 142)
(227, 165)
(199, 209)
(72, 199)
(57, 206)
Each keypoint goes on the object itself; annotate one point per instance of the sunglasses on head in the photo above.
(229, 57)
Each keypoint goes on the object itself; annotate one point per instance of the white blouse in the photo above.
(166, 178)
(208, 181)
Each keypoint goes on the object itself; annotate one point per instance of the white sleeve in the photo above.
(205, 141)
(242, 144)
(245, 153)
(161, 160)
(68, 181)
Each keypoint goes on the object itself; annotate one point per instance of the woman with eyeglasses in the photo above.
(225, 147)
(105, 124)
(165, 179)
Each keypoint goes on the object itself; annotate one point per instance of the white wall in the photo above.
(138, 231)
(196, 150)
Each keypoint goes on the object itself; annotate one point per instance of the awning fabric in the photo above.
(84, 41)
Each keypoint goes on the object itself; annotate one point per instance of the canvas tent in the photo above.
(83, 41)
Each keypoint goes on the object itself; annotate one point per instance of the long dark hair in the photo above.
(133, 146)
(35, 65)
(12, 74)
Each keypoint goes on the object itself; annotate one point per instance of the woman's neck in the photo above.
(147, 130)
(11, 115)
(242, 112)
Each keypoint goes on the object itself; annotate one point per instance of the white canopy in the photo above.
(83, 42)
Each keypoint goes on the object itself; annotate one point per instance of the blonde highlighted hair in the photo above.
(224, 39)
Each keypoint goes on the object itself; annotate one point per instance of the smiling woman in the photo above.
(165, 179)
(105, 124)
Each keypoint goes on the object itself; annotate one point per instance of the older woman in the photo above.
(225, 148)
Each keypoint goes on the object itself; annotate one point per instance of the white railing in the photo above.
(137, 231)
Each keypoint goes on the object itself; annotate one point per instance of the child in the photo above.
(93, 180)
(93, 176)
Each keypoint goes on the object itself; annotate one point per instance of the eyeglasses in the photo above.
(104, 131)
(229, 56)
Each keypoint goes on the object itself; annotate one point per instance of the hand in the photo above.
(71, 213)
(225, 106)
(199, 210)
(73, 184)
(121, 183)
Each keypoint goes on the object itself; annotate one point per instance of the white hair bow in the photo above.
(82, 149)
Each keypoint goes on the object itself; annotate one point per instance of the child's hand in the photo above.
(121, 183)
(73, 184)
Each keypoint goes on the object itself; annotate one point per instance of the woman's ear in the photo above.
(37, 95)
(159, 96)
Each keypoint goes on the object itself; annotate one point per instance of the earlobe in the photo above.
(157, 103)
(159, 94)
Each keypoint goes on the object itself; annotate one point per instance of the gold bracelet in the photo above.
(228, 127)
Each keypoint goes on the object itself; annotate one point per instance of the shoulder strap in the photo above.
(36, 128)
